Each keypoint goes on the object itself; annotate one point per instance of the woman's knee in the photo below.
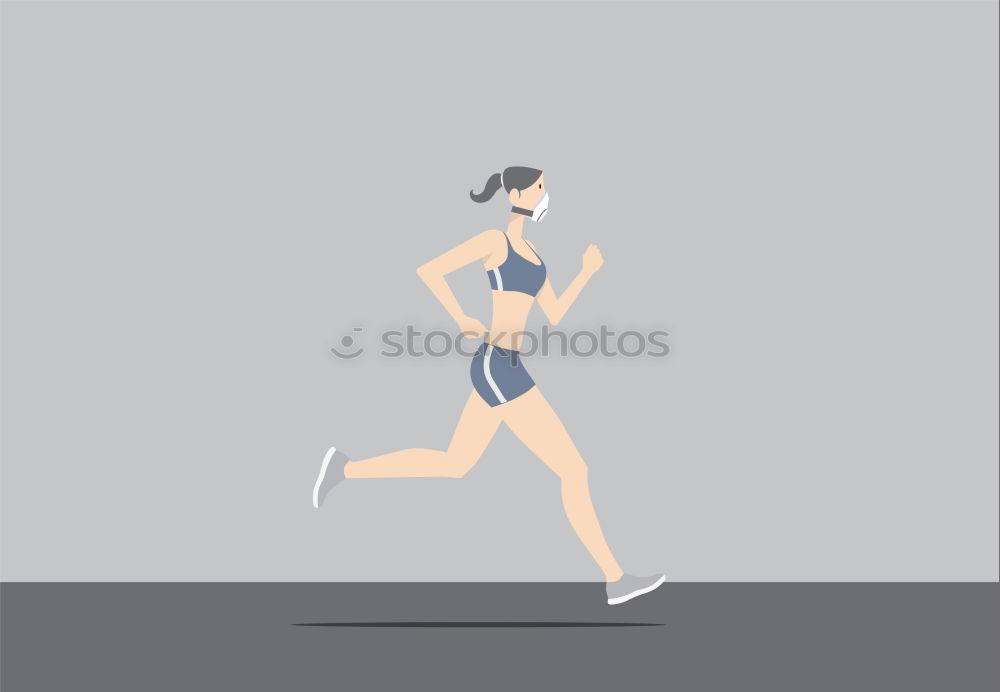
(458, 464)
(573, 470)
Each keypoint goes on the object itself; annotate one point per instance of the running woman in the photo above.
(502, 390)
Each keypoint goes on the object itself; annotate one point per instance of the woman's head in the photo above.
(525, 188)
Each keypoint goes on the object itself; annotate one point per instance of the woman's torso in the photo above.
(516, 275)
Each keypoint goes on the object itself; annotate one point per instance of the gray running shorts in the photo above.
(498, 374)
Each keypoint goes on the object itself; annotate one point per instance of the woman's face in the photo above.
(530, 196)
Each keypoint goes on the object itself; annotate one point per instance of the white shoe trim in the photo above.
(322, 474)
(621, 599)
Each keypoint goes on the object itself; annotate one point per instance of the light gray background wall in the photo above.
(201, 199)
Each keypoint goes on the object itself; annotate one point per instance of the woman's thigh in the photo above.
(476, 427)
(532, 419)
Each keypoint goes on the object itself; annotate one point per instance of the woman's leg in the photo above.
(537, 425)
(474, 431)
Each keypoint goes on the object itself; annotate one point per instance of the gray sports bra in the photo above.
(517, 273)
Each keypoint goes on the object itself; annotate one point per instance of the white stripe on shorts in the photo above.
(486, 371)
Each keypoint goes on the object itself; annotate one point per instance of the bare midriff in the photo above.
(510, 315)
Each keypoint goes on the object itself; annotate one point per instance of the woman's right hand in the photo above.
(592, 259)
(472, 328)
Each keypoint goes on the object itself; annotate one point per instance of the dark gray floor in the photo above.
(512, 636)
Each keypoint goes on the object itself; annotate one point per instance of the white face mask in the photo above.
(539, 211)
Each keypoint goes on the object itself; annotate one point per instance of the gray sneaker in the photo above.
(629, 586)
(330, 473)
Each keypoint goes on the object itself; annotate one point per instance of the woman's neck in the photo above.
(515, 226)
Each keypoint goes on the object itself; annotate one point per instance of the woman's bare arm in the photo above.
(478, 248)
(556, 307)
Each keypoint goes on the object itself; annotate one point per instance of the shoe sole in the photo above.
(628, 597)
(322, 475)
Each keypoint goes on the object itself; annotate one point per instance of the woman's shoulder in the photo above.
(493, 238)
(494, 235)
(496, 246)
